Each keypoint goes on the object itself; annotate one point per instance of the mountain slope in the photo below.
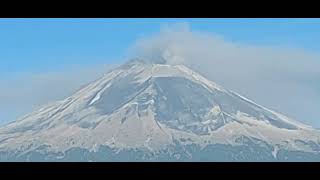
(156, 112)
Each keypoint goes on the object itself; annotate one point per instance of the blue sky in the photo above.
(43, 44)
(31, 48)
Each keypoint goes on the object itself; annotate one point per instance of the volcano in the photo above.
(144, 111)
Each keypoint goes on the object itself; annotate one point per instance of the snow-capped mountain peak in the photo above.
(151, 107)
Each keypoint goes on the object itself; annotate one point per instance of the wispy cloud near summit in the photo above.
(278, 77)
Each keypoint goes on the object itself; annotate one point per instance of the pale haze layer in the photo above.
(282, 79)
(23, 93)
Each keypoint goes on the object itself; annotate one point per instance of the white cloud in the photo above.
(280, 78)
